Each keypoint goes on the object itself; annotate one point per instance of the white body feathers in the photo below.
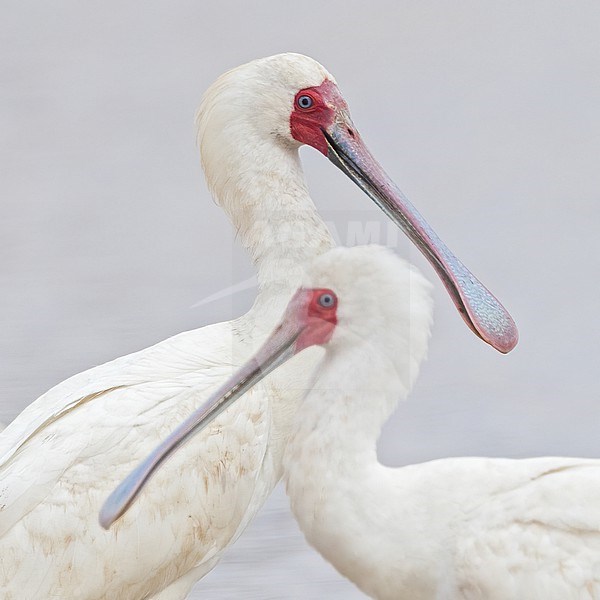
(452, 529)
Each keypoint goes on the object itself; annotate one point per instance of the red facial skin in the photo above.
(320, 320)
(307, 124)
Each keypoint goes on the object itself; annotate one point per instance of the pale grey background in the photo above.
(485, 113)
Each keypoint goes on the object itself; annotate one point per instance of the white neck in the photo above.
(357, 513)
(260, 185)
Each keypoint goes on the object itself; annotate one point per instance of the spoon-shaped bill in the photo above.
(479, 308)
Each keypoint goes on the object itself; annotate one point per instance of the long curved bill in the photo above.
(481, 311)
(278, 348)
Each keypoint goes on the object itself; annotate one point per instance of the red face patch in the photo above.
(314, 110)
(323, 305)
(321, 319)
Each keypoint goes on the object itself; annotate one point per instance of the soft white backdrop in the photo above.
(485, 113)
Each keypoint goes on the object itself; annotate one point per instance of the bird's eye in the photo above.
(326, 300)
(304, 101)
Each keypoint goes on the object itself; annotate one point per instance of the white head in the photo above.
(251, 123)
(254, 101)
(383, 304)
(244, 122)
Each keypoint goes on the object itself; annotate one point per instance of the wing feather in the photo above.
(541, 536)
(64, 454)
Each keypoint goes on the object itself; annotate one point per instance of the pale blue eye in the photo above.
(305, 101)
(326, 300)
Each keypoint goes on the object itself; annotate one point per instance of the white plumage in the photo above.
(451, 529)
(64, 453)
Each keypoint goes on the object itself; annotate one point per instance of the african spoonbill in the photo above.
(449, 529)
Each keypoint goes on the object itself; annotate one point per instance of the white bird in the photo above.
(449, 529)
(64, 453)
